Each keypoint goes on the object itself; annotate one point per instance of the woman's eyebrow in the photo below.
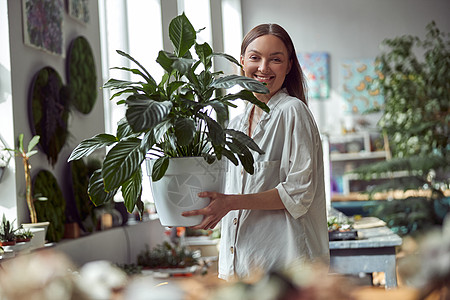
(271, 54)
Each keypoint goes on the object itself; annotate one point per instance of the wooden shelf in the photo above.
(384, 196)
(357, 156)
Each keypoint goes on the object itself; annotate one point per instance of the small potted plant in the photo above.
(179, 125)
(24, 235)
(25, 154)
(7, 233)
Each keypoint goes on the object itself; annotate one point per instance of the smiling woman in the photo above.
(276, 216)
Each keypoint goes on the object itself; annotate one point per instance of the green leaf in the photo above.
(148, 141)
(21, 143)
(248, 96)
(120, 84)
(204, 52)
(132, 190)
(184, 131)
(244, 139)
(136, 62)
(230, 156)
(243, 153)
(96, 190)
(123, 129)
(251, 84)
(31, 153)
(160, 130)
(221, 111)
(149, 80)
(215, 131)
(182, 65)
(159, 168)
(33, 142)
(121, 162)
(88, 146)
(145, 114)
(228, 57)
(181, 34)
(173, 87)
(165, 60)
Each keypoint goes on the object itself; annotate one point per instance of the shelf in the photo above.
(357, 156)
(384, 196)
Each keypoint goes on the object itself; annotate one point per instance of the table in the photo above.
(373, 251)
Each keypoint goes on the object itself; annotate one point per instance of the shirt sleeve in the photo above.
(302, 162)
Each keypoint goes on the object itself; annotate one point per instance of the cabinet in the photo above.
(346, 152)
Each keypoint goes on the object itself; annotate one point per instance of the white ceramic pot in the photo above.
(177, 191)
(40, 231)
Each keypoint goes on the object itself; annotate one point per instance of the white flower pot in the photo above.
(177, 191)
(40, 231)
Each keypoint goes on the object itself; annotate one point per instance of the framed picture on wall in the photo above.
(356, 77)
(43, 25)
(315, 66)
(79, 10)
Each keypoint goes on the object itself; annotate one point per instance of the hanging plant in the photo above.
(52, 210)
(49, 112)
(81, 75)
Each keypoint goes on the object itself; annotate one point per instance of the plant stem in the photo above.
(29, 196)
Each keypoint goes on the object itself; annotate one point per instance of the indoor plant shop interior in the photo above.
(90, 89)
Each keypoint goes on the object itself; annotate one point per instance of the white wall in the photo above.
(25, 62)
(346, 29)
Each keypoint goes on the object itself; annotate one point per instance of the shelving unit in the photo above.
(346, 152)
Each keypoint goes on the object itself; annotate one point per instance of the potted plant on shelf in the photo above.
(7, 233)
(172, 124)
(26, 154)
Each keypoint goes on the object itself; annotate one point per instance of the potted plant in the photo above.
(24, 235)
(172, 123)
(26, 154)
(7, 233)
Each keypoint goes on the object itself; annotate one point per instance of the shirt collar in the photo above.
(272, 104)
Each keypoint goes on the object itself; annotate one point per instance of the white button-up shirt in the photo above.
(293, 164)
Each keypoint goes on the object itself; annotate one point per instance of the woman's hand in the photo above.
(214, 212)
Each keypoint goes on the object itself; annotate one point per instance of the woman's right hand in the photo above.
(214, 212)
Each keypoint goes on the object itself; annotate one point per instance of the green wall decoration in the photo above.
(53, 209)
(80, 174)
(49, 112)
(81, 75)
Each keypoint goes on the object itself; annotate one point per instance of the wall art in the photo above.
(42, 25)
(82, 75)
(49, 112)
(79, 10)
(315, 66)
(356, 77)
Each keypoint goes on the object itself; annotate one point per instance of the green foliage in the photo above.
(53, 209)
(173, 118)
(166, 256)
(412, 215)
(7, 231)
(82, 75)
(417, 93)
(416, 121)
(80, 181)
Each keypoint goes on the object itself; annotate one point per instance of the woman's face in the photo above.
(266, 60)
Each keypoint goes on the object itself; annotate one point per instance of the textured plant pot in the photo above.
(39, 231)
(177, 191)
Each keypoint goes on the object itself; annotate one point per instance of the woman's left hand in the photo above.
(213, 213)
